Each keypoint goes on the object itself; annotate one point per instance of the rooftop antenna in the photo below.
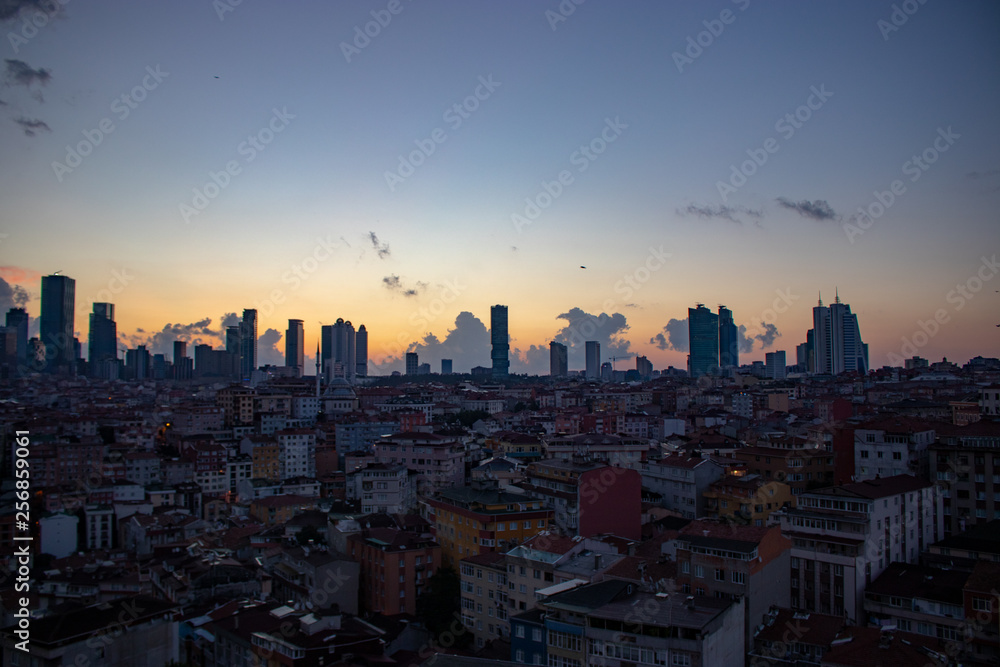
(56, 273)
(837, 292)
(821, 299)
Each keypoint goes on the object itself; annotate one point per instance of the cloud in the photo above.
(394, 283)
(22, 74)
(765, 337)
(979, 175)
(467, 345)
(267, 349)
(607, 330)
(10, 9)
(12, 296)
(673, 337)
(228, 320)
(162, 341)
(816, 210)
(722, 212)
(533, 361)
(382, 250)
(32, 126)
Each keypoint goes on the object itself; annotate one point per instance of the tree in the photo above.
(439, 605)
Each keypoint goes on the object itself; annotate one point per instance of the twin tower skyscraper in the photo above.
(714, 341)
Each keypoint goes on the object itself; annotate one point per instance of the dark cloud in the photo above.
(32, 126)
(979, 175)
(12, 296)
(22, 74)
(467, 345)
(11, 9)
(267, 349)
(162, 342)
(533, 361)
(722, 212)
(581, 326)
(765, 337)
(228, 320)
(673, 337)
(394, 283)
(381, 249)
(816, 210)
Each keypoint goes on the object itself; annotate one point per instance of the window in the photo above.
(536, 634)
(519, 631)
(686, 567)
(681, 659)
(981, 604)
(699, 571)
(739, 578)
(519, 654)
(720, 574)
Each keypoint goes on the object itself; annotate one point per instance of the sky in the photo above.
(597, 167)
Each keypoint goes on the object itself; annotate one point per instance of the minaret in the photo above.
(317, 370)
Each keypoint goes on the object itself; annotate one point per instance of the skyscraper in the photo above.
(361, 352)
(500, 341)
(837, 344)
(183, 369)
(102, 352)
(593, 351)
(446, 367)
(248, 343)
(729, 344)
(295, 340)
(703, 334)
(644, 367)
(17, 318)
(341, 361)
(56, 322)
(412, 362)
(774, 363)
(558, 360)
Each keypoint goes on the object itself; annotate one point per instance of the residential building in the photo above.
(843, 538)
(484, 596)
(965, 461)
(589, 498)
(395, 567)
(746, 499)
(682, 481)
(469, 520)
(892, 446)
(749, 564)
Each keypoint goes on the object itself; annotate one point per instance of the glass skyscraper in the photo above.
(56, 322)
(703, 334)
(500, 341)
(729, 348)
